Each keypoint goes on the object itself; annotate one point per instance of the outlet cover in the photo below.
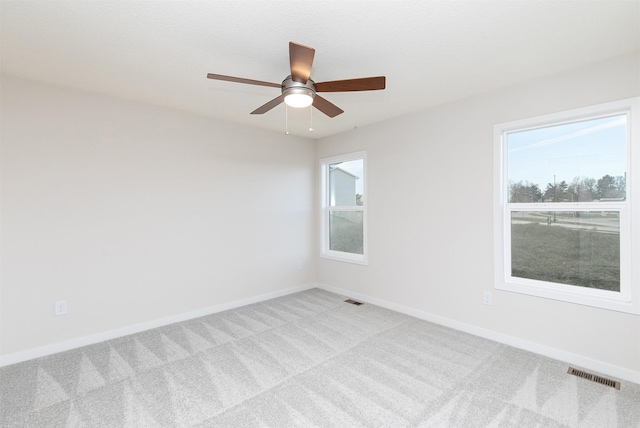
(61, 307)
(486, 298)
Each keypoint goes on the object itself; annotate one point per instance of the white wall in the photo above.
(430, 213)
(134, 213)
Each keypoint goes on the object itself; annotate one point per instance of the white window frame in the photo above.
(628, 299)
(326, 208)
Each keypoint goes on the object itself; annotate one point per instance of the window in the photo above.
(566, 203)
(343, 219)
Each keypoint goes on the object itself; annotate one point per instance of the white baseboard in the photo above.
(568, 357)
(125, 331)
(547, 351)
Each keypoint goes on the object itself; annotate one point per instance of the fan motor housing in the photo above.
(289, 86)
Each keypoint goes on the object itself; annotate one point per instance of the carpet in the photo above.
(306, 360)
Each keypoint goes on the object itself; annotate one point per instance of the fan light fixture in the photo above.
(297, 94)
(298, 90)
(298, 100)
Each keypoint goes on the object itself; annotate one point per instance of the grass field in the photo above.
(346, 231)
(586, 258)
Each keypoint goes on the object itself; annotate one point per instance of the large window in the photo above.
(343, 208)
(566, 206)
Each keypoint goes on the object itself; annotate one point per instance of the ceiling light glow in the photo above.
(298, 100)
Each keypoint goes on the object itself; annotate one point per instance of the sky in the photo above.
(591, 148)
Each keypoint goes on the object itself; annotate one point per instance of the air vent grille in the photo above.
(353, 302)
(594, 378)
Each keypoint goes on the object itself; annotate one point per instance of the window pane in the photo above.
(345, 183)
(577, 248)
(345, 231)
(573, 162)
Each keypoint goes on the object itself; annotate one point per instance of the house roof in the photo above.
(334, 168)
(431, 52)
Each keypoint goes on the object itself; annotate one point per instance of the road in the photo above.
(600, 221)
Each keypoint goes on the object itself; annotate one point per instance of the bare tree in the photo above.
(523, 191)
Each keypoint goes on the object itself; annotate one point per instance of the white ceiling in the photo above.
(431, 52)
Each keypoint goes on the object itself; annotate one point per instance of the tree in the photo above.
(523, 191)
(556, 192)
(611, 187)
(582, 189)
(621, 186)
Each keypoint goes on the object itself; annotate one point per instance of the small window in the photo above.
(563, 206)
(343, 207)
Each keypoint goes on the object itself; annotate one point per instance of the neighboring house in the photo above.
(343, 188)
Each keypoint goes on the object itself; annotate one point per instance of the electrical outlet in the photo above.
(61, 307)
(486, 298)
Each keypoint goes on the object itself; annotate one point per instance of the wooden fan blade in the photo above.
(326, 107)
(301, 60)
(241, 80)
(268, 106)
(348, 85)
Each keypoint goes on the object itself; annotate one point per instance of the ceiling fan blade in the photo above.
(241, 80)
(301, 60)
(268, 106)
(326, 107)
(348, 85)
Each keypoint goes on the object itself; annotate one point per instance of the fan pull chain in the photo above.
(286, 119)
(311, 118)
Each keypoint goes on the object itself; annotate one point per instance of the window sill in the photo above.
(345, 257)
(572, 294)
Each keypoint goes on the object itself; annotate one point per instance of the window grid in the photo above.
(328, 210)
(626, 299)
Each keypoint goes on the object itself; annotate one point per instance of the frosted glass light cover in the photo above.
(298, 100)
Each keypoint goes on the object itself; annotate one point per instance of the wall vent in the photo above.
(594, 378)
(353, 302)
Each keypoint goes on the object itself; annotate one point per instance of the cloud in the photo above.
(617, 121)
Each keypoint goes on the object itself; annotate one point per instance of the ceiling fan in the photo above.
(298, 90)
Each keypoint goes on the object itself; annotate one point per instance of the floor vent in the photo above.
(353, 302)
(594, 378)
